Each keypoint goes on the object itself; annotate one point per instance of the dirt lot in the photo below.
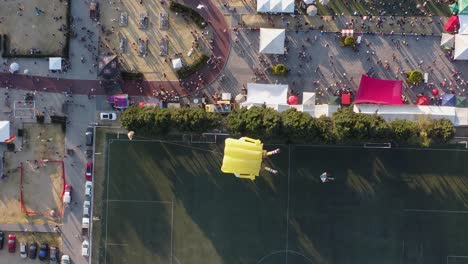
(41, 186)
(153, 66)
(14, 258)
(26, 30)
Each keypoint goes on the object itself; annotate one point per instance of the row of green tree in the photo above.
(345, 126)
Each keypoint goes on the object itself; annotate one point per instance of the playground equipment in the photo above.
(243, 157)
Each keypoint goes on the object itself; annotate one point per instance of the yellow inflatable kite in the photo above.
(243, 157)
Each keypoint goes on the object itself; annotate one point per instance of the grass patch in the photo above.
(188, 70)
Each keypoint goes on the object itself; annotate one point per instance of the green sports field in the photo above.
(169, 203)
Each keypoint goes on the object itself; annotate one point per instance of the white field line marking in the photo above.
(435, 211)
(361, 147)
(137, 201)
(287, 205)
(172, 228)
(113, 244)
(107, 199)
(455, 257)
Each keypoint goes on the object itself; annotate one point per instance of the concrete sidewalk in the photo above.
(27, 228)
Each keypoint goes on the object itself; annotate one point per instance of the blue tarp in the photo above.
(448, 100)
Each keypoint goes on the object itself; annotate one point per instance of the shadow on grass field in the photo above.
(169, 203)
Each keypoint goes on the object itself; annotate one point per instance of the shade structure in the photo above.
(55, 63)
(272, 40)
(312, 10)
(176, 63)
(119, 101)
(240, 98)
(293, 100)
(463, 7)
(333, 100)
(461, 101)
(324, 2)
(347, 32)
(463, 19)
(26, 71)
(4, 131)
(275, 6)
(345, 98)
(422, 100)
(308, 98)
(435, 92)
(379, 91)
(461, 47)
(449, 100)
(267, 93)
(452, 24)
(308, 2)
(14, 67)
(454, 8)
(447, 40)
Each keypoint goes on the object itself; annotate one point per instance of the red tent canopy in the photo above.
(378, 91)
(293, 100)
(422, 100)
(452, 24)
(345, 99)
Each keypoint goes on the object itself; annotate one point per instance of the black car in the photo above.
(2, 238)
(43, 251)
(89, 136)
(32, 250)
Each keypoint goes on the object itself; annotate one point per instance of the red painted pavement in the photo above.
(220, 50)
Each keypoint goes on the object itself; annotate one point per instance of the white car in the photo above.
(85, 249)
(23, 253)
(86, 209)
(65, 259)
(108, 116)
(88, 186)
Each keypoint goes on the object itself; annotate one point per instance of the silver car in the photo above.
(53, 255)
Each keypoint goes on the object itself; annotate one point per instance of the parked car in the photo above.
(43, 251)
(67, 195)
(23, 253)
(65, 259)
(89, 136)
(53, 255)
(2, 238)
(85, 248)
(88, 188)
(32, 250)
(86, 209)
(11, 243)
(89, 171)
(108, 116)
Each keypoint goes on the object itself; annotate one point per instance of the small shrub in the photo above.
(414, 76)
(349, 41)
(279, 69)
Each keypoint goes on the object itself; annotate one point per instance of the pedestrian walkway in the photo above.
(27, 228)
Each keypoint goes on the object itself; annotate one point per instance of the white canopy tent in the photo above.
(267, 93)
(461, 47)
(312, 10)
(272, 40)
(463, 25)
(308, 98)
(4, 130)
(275, 6)
(55, 63)
(176, 63)
(447, 40)
(14, 67)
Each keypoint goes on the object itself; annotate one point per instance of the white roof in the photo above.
(409, 112)
(312, 10)
(461, 47)
(275, 6)
(55, 63)
(177, 63)
(463, 25)
(4, 130)
(308, 98)
(447, 40)
(272, 40)
(267, 93)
